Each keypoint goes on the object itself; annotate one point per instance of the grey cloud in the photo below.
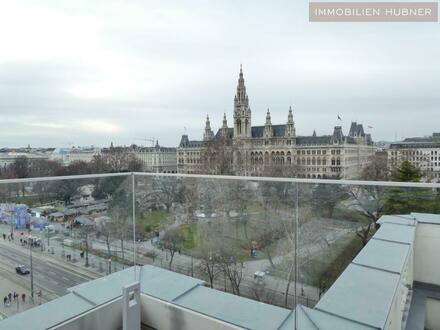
(185, 60)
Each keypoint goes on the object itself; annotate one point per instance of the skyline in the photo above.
(92, 73)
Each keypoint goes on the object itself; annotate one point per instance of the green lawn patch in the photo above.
(154, 220)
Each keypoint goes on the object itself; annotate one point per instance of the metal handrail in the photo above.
(230, 177)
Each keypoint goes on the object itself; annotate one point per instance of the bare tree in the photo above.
(217, 156)
(119, 210)
(116, 159)
(209, 264)
(172, 241)
(106, 229)
(369, 200)
(84, 232)
(168, 190)
(232, 266)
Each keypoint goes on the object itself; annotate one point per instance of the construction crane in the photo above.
(146, 140)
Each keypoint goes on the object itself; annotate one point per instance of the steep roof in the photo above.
(278, 131)
(186, 143)
(356, 129)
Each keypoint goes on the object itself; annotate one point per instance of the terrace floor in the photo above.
(417, 311)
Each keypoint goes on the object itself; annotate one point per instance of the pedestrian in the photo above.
(12, 236)
(23, 297)
(10, 297)
(5, 300)
(15, 296)
(4, 236)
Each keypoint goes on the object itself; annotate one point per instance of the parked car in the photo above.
(259, 275)
(22, 270)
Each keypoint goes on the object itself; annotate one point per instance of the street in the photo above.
(47, 275)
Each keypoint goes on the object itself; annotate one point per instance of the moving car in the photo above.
(22, 270)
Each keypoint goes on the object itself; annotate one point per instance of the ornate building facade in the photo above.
(157, 159)
(259, 150)
(422, 152)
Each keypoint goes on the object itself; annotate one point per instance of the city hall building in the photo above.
(258, 150)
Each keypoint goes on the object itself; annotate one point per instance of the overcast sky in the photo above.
(91, 72)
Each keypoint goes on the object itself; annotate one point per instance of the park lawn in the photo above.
(189, 232)
(253, 206)
(331, 262)
(325, 266)
(233, 232)
(155, 220)
(350, 215)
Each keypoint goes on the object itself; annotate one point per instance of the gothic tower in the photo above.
(268, 133)
(209, 134)
(290, 127)
(224, 126)
(242, 112)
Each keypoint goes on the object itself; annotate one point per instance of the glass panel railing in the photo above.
(279, 241)
(338, 219)
(238, 235)
(58, 233)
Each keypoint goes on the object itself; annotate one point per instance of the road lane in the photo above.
(47, 275)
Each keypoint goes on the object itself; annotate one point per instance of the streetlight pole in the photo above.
(30, 242)
(48, 237)
(11, 220)
(302, 284)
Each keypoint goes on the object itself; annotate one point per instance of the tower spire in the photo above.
(225, 122)
(268, 118)
(290, 116)
(290, 127)
(209, 134)
(268, 125)
(242, 111)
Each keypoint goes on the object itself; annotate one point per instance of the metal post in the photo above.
(87, 249)
(12, 225)
(48, 237)
(296, 254)
(134, 221)
(30, 241)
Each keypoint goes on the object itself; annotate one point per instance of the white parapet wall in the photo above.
(162, 315)
(427, 249)
(104, 317)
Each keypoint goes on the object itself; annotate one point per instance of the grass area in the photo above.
(189, 232)
(154, 220)
(232, 232)
(347, 214)
(253, 206)
(325, 268)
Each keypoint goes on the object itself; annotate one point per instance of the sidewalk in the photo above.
(98, 266)
(9, 286)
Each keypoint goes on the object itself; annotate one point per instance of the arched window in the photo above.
(266, 158)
